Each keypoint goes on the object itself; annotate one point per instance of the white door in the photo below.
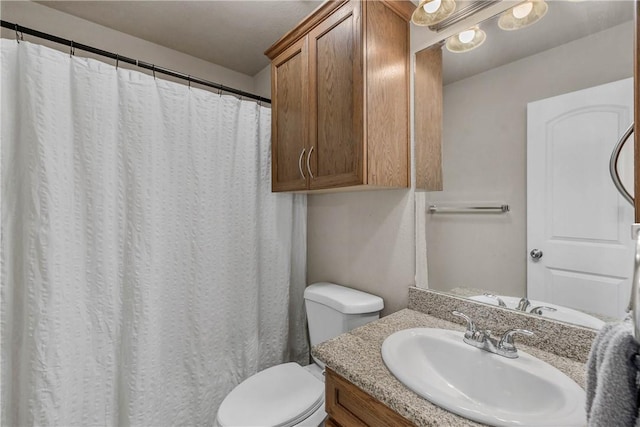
(575, 216)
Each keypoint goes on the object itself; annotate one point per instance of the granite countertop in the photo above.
(356, 356)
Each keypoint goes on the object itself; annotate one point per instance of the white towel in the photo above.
(612, 378)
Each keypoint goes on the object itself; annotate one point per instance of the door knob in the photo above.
(536, 254)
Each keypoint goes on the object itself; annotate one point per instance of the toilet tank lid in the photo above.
(343, 299)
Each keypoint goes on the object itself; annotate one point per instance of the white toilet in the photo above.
(289, 395)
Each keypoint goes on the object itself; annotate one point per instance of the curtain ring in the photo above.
(71, 50)
(220, 91)
(117, 60)
(189, 80)
(17, 35)
(153, 68)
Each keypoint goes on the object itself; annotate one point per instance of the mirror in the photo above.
(530, 121)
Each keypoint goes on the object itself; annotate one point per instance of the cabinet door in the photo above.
(290, 118)
(336, 83)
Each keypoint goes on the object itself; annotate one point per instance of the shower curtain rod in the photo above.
(19, 29)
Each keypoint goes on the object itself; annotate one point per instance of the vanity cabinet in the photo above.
(347, 406)
(340, 98)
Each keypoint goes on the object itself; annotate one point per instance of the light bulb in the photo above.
(432, 6)
(522, 10)
(466, 36)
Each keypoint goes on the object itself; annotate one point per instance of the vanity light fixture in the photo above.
(523, 15)
(430, 12)
(466, 40)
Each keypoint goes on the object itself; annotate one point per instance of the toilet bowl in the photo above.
(284, 395)
(291, 395)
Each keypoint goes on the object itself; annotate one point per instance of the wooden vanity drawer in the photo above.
(347, 406)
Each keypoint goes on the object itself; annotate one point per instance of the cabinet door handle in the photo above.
(300, 163)
(309, 167)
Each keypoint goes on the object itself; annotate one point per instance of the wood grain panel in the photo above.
(329, 422)
(350, 406)
(290, 117)
(335, 139)
(636, 83)
(403, 8)
(387, 102)
(340, 87)
(306, 25)
(336, 99)
(428, 119)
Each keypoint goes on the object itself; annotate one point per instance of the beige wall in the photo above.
(42, 18)
(262, 82)
(484, 157)
(365, 240)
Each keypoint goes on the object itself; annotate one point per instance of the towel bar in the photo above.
(468, 209)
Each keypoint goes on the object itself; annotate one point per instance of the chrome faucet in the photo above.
(538, 310)
(523, 304)
(495, 297)
(482, 338)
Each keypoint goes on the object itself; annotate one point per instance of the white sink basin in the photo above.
(563, 314)
(484, 387)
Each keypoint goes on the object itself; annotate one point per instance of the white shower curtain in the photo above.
(146, 266)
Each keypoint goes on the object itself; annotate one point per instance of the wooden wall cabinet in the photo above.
(428, 118)
(340, 98)
(347, 406)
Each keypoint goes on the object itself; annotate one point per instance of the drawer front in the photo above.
(348, 406)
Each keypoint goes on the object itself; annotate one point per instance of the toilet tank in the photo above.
(333, 310)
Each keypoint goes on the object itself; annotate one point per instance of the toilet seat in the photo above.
(280, 396)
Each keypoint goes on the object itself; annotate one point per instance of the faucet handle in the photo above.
(538, 310)
(506, 342)
(495, 297)
(523, 304)
(471, 326)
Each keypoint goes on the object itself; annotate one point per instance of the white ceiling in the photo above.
(233, 34)
(565, 21)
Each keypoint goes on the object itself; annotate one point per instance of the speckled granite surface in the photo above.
(559, 338)
(356, 356)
